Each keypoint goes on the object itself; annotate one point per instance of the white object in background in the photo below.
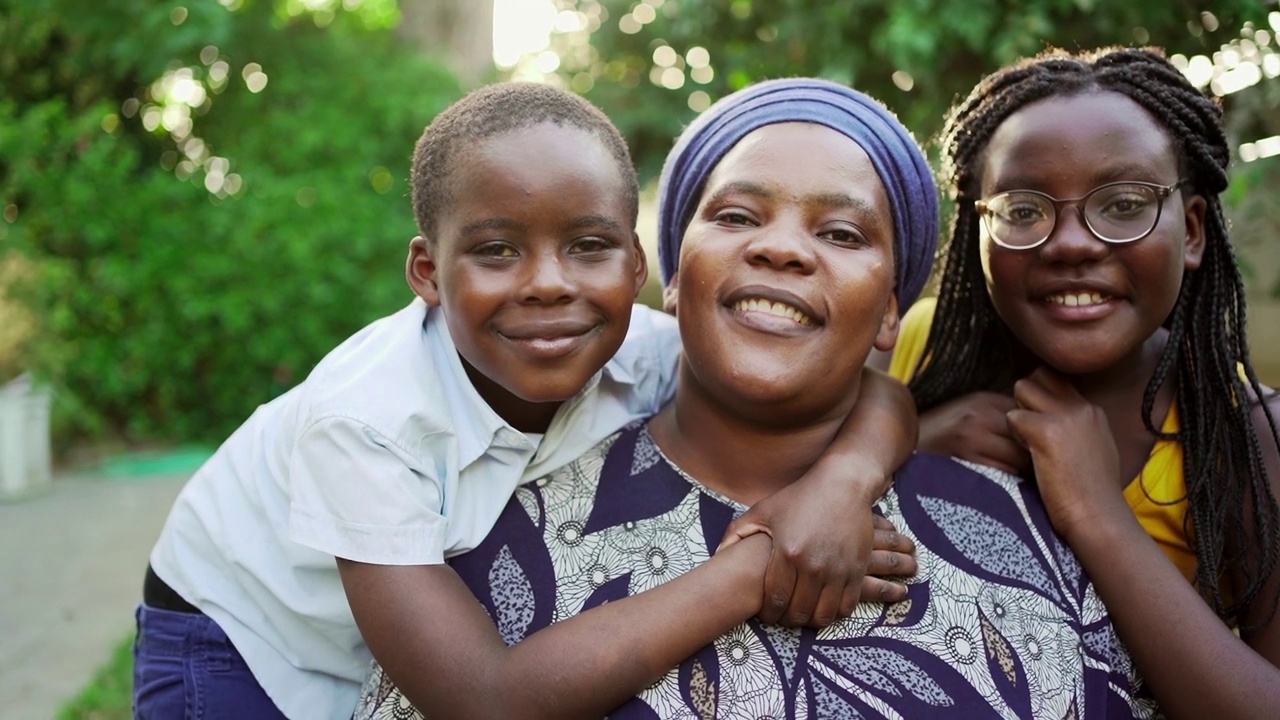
(25, 451)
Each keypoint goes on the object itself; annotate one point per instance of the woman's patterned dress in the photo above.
(1000, 621)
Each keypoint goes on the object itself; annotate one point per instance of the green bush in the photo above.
(165, 310)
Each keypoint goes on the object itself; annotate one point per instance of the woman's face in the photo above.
(786, 273)
(1081, 305)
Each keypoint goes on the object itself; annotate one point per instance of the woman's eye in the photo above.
(734, 218)
(843, 236)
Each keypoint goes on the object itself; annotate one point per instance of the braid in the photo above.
(969, 348)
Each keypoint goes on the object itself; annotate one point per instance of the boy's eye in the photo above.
(591, 245)
(496, 250)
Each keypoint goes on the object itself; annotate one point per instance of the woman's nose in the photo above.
(783, 246)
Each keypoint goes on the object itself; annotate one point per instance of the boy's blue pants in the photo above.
(185, 667)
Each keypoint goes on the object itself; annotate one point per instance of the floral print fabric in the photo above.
(1000, 621)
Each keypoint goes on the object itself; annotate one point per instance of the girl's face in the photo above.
(786, 273)
(1081, 305)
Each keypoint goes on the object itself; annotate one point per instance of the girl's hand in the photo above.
(975, 427)
(1077, 465)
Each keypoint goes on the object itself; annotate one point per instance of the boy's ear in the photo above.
(671, 293)
(1193, 247)
(642, 264)
(887, 337)
(420, 271)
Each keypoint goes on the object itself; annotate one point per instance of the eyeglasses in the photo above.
(1116, 213)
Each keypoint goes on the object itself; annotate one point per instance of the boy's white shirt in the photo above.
(386, 454)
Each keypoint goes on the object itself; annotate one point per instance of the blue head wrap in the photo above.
(894, 154)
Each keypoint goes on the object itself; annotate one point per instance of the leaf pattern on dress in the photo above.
(703, 692)
(992, 548)
(886, 671)
(998, 651)
(1000, 620)
(895, 613)
(512, 596)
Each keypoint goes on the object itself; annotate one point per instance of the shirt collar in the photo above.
(475, 425)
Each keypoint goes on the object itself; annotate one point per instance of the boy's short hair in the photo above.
(494, 110)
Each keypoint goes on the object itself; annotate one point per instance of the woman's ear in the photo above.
(670, 293)
(887, 336)
(1194, 210)
(420, 271)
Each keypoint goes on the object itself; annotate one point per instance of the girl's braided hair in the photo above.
(969, 348)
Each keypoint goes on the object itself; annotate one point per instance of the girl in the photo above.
(1091, 315)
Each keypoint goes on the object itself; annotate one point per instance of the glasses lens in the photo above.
(1018, 219)
(1122, 212)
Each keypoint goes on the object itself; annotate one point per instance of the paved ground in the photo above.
(71, 565)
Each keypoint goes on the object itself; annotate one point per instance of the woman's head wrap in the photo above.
(894, 154)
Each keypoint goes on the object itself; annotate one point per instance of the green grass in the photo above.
(109, 696)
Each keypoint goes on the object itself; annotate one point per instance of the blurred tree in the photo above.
(652, 65)
(210, 196)
(459, 32)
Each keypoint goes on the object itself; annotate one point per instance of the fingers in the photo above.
(879, 590)
(1005, 452)
(884, 563)
(779, 586)
(744, 526)
(804, 601)
(849, 598)
(829, 605)
(886, 537)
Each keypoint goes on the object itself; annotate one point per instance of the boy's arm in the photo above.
(822, 526)
(436, 642)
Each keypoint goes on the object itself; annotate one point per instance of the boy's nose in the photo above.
(548, 281)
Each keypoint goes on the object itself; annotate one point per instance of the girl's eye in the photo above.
(1024, 213)
(1124, 205)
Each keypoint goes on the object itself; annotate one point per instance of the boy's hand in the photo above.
(827, 546)
(975, 427)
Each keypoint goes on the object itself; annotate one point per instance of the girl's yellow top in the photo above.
(1158, 495)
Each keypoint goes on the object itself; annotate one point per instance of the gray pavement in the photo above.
(71, 565)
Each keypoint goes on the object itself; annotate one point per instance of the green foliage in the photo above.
(109, 696)
(917, 56)
(183, 276)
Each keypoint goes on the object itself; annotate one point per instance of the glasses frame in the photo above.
(1163, 192)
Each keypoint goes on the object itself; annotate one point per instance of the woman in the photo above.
(798, 218)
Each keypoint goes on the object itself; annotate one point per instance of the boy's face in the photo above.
(535, 263)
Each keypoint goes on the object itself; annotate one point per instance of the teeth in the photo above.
(1078, 299)
(773, 308)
